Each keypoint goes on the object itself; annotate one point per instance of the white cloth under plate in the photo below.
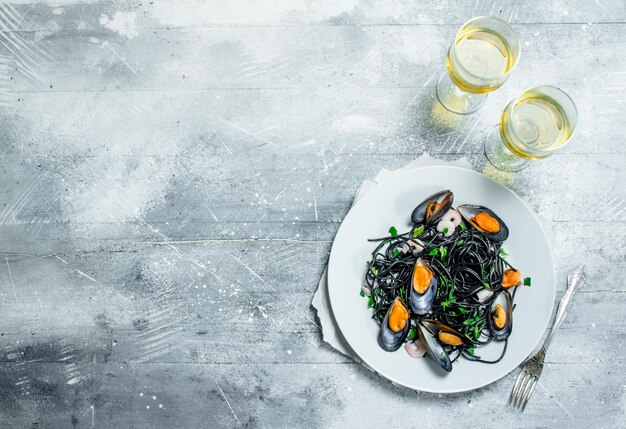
(330, 332)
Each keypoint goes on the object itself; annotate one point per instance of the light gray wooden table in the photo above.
(173, 174)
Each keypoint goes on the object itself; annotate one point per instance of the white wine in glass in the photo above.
(484, 53)
(533, 126)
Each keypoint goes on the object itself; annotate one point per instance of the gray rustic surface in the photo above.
(173, 174)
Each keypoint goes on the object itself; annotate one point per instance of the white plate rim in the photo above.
(551, 281)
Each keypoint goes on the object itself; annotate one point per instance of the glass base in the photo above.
(456, 100)
(499, 155)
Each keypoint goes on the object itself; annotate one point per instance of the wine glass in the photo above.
(484, 53)
(533, 126)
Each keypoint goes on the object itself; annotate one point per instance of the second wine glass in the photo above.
(484, 53)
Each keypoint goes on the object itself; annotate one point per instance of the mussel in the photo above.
(395, 326)
(511, 278)
(501, 316)
(435, 334)
(485, 221)
(432, 208)
(423, 288)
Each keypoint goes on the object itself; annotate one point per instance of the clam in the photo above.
(501, 316)
(436, 335)
(395, 326)
(485, 221)
(423, 288)
(432, 208)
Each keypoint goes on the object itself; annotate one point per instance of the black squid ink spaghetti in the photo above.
(444, 288)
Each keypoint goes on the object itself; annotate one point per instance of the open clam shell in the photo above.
(423, 288)
(501, 316)
(485, 221)
(432, 208)
(389, 339)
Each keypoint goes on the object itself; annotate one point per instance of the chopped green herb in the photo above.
(443, 252)
(370, 303)
(460, 242)
(441, 355)
(379, 292)
(418, 231)
(487, 285)
(396, 252)
(503, 252)
(362, 293)
(445, 230)
(527, 281)
(463, 227)
(470, 351)
(463, 310)
(433, 252)
(412, 333)
(476, 332)
(393, 231)
(374, 270)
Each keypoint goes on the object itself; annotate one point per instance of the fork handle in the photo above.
(574, 281)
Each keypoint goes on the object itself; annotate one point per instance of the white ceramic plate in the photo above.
(391, 203)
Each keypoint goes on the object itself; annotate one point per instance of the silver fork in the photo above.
(533, 367)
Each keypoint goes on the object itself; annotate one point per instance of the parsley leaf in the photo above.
(445, 230)
(433, 252)
(412, 333)
(362, 293)
(460, 242)
(470, 351)
(418, 231)
(487, 285)
(463, 310)
(370, 303)
(463, 226)
(396, 252)
(393, 231)
(527, 281)
(443, 252)
(503, 252)
(374, 270)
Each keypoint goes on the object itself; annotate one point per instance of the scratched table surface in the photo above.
(173, 174)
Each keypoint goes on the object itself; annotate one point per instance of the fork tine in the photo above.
(513, 398)
(518, 381)
(524, 391)
(530, 392)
